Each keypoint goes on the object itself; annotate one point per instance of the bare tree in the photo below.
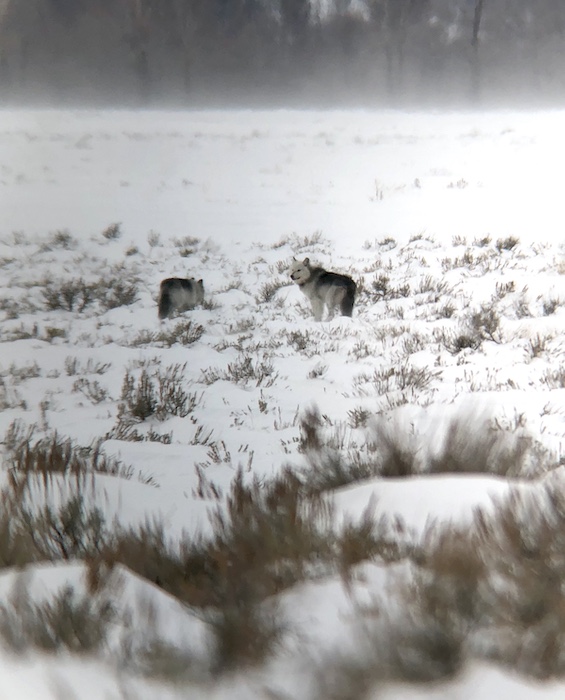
(18, 24)
(136, 36)
(475, 57)
(393, 19)
(295, 15)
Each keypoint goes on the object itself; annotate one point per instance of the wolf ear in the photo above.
(306, 261)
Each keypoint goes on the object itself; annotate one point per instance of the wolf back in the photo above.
(179, 294)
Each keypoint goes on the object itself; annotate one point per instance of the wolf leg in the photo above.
(347, 302)
(165, 305)
(318, 309)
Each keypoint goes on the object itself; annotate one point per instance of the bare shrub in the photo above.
(455, 342)
(226, 577)
(358, 417)
(306, 241)
(153, 239)
(187, 245)
(76, 624)
(327, 467)
(139, 398)
(382, 289)
(52, 332)
(499, 582)
(522, 308)
(49, 455)
(112, 232)
(54, 454)
(242, 371)
(361, 350)
(59, 239)
(268, 291)
(125, 429)
(92, 389)
(550, 306)
(485, 323)
(158, 394)
(429, 285)
(23, 332)
(246, 633)
(77, 295)
(117, 292)
(508, 243)
(366, 540)
(490, 590)
(554, 378)
(22, 373)
(69, 295)
(396, 378)
(446, 310)
(334, 458)
(173, 399)
(537, 345)
(317, 371)
(456, 568)
(502, 289)
(299, 340)
(387, 242)
(73, 366)
(489, 448)
(184, 332)
(475, 328)
(70, 531)
(468, 259)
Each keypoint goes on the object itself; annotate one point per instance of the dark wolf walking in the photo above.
(178, 294)
(324, 288)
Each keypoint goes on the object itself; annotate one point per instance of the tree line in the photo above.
(366, 52)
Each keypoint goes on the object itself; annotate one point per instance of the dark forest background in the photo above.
(282, 52)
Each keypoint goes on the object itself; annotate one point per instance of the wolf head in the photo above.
(300, 271)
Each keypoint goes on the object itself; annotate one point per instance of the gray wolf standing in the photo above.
(323, 288)
(177, 294)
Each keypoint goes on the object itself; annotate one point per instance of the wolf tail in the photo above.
(165, 303)
(348, 299)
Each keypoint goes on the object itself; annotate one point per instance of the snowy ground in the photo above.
(437, 216)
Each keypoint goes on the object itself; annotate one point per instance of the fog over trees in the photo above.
(282, 52)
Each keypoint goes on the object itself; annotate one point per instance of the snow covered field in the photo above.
(451, 225)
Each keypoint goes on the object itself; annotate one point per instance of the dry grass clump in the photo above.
(243, 370)
(267, 536)
(184, 332)
(69, 295)
(113, 231)
(54, 454)
(270, 536)
(337, 456)
(77, 624)
(158, 394)
(328, 466)
(500, 583)
(490, 448)
(491, 591)
(268, 290)
(118, 288)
